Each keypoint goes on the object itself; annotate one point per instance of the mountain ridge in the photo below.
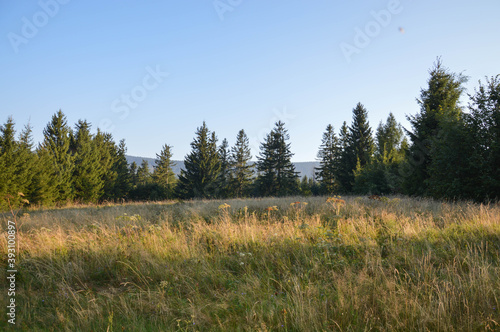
(305, 168)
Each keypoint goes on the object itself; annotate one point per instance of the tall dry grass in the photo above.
(397, 264)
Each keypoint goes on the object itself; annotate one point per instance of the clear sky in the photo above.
(152, 71)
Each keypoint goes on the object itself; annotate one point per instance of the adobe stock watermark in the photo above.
(11, 271)
(372, 29)
(30, 27)
(279, 115)
(129, 101)
(224, 6)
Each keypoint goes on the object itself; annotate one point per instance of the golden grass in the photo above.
(384, 265)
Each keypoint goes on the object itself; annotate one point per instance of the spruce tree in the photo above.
(108, 154)
(133, 175)
(382, 175)
(389, 137)
(143, 174)
(361, 135)
(329, 157)
(224, 180)
(277, 175)
(438, 102)
(241, 169)
(123, 183)
(8, 165)
(483, 122)
(57, 144)
(347, 161)
(87, 173)
(202, 167)
(42, 190)
(26, 159)
(163, 175)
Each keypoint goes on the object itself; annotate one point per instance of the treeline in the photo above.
(452, 152)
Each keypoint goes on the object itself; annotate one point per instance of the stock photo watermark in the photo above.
(11, 271)
(225, 6)
(371, 30)
(30, 27)
(279, 115)
(129, 101)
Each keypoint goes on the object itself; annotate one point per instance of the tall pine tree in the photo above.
(87, 173)
(202, 165)
(163, 175)
(347, 161)
(277, 175)
(361, 135)
(224, 180)
(484, 127)
(329, 157)
(56, 143)
(438, 103)
(241, 169)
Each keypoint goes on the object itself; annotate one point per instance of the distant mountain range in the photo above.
(304, 168)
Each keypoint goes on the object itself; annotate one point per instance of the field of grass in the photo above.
(399, 264)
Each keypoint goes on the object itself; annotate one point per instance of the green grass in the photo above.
(394, 265)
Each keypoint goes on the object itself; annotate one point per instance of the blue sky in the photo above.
(152, 71)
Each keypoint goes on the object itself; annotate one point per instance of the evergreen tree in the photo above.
(224, 180)
(134, 181)
(277, 175)
(42, 190)
(15, 172)
(57, 144)
(382, 176)
(484, 128)
(123, 183)
(306, 186)
(347, 161)
(361, 135)
(389, 138)
(449, 169)
(241, 169)
(439, 102)
(143, 174)
(108, 154)
(26, 159)
(87, 173)
(202, 167)
(163, 175)
(329, 158)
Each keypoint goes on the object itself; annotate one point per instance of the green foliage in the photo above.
(383, 174)
(484, 128)
(16, 162)
(241, 169)
(143, 174)
(277, 175)
(163, 175)
(347, 162)
(57, 144)
(123, 183)
(88, 172)
(202, 167)
(108, 154)
(438, 103)
(361, 135)
(224, 179)
(329, 156)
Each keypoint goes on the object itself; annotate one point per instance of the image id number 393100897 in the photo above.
(11, 272)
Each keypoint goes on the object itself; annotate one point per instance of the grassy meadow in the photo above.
(396, 264)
